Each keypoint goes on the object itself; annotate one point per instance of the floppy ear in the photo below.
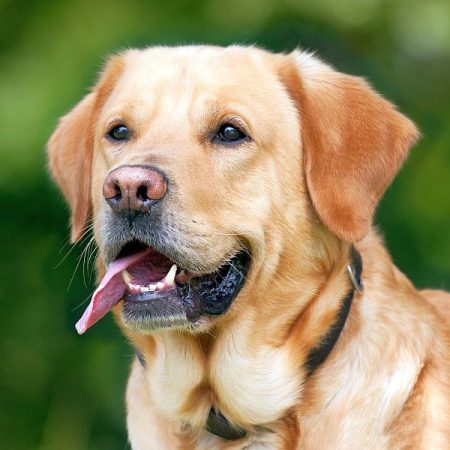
(70, 148)
(354, 142)
(70, 159)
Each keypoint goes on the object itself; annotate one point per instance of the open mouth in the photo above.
(157, 293)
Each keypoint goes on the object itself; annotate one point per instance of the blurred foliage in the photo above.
(63, 392)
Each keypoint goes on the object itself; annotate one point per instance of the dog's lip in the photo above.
(140, 274)
(187, 303)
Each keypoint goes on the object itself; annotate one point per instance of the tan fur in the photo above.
(324, 148)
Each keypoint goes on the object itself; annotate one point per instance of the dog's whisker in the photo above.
(91, 261)
(83, 263)
(87, 252)
(85, 229)
(81, 241)
(79, 260)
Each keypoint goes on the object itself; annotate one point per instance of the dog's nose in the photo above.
(134, 188)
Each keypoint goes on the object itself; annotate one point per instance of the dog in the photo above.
(232, 192)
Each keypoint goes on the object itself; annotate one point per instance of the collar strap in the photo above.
(320, 353)
(220, 426)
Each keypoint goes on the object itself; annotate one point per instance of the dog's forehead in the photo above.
(167, 78)
(213, 66)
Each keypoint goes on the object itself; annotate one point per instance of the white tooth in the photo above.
(152, 287)
(144, 289)
(126, 276)
(169, 279)
(134, 289)
(159, 285)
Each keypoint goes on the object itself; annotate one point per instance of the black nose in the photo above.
(134, 188)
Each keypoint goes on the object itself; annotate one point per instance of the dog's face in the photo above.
(226, 162)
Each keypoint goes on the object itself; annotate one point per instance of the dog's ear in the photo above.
(70, 159)
(70, 148)
(354, 142)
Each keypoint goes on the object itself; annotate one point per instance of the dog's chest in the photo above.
(254, 387)
(249, 387)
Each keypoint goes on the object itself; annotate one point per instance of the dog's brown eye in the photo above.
(229, 133)
(119, 133)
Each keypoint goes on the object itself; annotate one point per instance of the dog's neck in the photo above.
(218, 424)
(207, 356)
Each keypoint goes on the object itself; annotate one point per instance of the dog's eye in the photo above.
(230, 133)
(119, 133)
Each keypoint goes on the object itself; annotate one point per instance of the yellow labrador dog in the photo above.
(232, 192)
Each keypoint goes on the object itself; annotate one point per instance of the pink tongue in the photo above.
(109, 292)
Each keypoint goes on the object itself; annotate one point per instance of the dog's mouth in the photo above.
(157, 293)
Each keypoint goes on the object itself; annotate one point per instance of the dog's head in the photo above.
(207, 168)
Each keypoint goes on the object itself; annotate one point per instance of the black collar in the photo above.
(220, 426)
(320, 353)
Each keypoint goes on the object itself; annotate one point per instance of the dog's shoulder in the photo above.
(440, 301)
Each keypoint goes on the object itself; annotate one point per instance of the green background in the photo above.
(59, 391)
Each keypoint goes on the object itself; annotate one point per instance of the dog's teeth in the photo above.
(169, 279)
(133, 288)
(152, 287)
(126, 276)
(144, 289)
(159, 285)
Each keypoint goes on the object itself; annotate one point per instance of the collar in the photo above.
(320, 353)
(220, 426)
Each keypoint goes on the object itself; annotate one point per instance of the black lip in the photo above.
(210, 294)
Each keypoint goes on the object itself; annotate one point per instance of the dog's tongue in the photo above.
(109, 292)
